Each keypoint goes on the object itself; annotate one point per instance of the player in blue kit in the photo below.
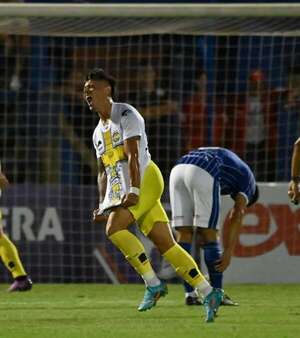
(196, 184)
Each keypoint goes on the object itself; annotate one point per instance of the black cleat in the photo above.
(21, 284)
(193, 301)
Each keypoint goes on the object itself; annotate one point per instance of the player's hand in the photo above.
(294, 192)
(224, 262)
(99, 217)
(129, 200)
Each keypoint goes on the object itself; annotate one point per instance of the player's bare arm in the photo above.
(102, 182)
(131, 147)
(294, 185)
(3, 181)
(235, 217)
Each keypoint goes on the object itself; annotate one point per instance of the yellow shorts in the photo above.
(149, 210)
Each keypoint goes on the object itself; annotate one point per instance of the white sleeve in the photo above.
(95, 145)
(132, 125)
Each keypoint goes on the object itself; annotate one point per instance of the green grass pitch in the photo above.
(96, 310)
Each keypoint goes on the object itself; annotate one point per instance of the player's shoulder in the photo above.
(235, 161)
(123, 110)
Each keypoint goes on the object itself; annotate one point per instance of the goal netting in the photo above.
(225, 75)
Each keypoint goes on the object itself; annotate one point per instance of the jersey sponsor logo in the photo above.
(116, 137)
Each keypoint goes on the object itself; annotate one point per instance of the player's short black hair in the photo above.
(255, 197)
(98, 74)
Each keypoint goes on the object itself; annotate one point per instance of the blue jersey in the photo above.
(233, 174)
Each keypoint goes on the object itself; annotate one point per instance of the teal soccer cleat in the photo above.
(152, 295)
(211, 303)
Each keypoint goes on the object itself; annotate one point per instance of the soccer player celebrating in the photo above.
(196, 183)
(294, 186)
(9, 254)
(130, 187)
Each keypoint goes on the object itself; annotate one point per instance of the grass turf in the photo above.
(90, 310)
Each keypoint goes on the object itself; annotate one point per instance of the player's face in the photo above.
(96, 93)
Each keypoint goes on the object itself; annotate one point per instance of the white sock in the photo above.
(193, 294)
(151, 279)
(204, 288)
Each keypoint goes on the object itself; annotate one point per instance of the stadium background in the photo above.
(46, 147)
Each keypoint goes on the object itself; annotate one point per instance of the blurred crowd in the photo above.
(47, 127)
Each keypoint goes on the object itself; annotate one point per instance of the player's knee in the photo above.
(162, 237)
(109, 231)
(112, 228)
(118, 220)
(184, 234)
(208, 235)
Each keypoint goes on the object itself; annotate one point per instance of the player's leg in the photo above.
(182, 262)
(185, 239)
(207, 202)
(182, 215)
(203, 194)
(154, 224)
(10, 257)
(151, 189)
(186, 267)
(130, 245)
(118, 222)
(212, 254)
